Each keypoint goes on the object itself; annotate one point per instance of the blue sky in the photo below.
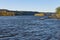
(30, 5)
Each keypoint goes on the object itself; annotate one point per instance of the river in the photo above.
(29, 28)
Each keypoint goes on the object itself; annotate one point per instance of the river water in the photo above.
(29, 28)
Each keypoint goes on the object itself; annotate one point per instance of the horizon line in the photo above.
(24, 10)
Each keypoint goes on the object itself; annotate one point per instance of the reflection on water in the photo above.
(29, 28)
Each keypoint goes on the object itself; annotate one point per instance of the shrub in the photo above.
(39, 14)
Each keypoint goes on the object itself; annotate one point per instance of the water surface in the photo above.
(29, 28)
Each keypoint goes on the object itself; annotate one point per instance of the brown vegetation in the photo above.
(39, 14)
(6, 13)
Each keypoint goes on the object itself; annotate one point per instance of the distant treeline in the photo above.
(4, 12)
(18, 13)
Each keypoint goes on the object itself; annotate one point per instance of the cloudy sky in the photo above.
(30, 5)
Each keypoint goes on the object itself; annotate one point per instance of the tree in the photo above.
(58, 10)
(57, 14)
